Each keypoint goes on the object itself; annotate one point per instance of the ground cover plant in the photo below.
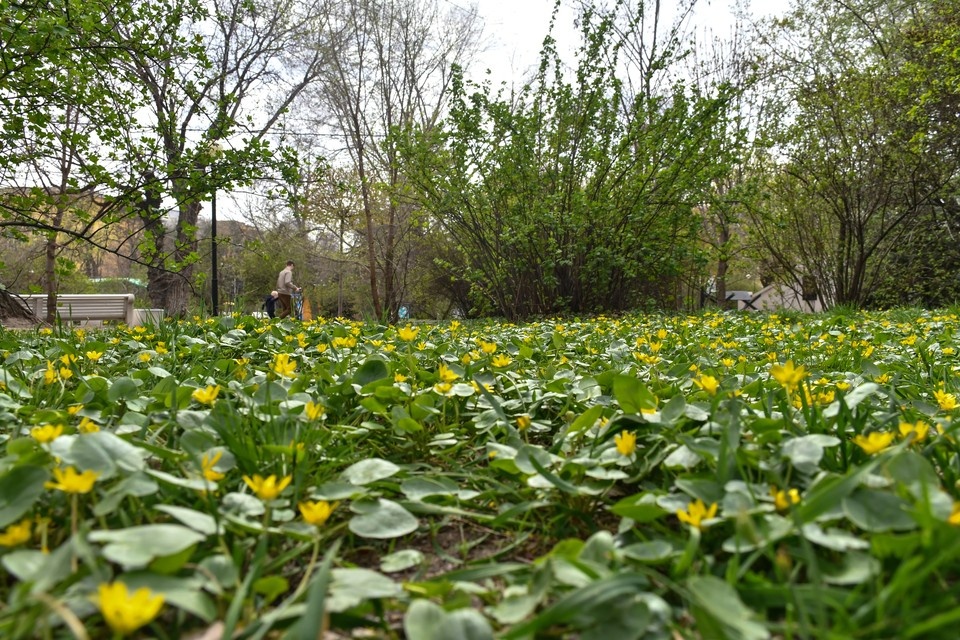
(708, 476)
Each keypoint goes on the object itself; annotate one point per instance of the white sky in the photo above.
(515, 28)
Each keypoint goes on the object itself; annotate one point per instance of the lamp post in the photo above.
(214, 151)
(213, 255)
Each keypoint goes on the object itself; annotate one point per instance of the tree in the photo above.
(851, 186)
(393, 72)
(205, 133)
(575, 194)
(61, 106)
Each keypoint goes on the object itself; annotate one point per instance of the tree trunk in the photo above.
(12, 307)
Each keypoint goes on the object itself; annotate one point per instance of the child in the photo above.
(270, 304)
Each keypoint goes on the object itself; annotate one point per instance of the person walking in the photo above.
(270, 304)
(285, 289)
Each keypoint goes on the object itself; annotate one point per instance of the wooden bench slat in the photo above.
(106, 306)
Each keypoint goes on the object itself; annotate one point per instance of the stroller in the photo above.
(296, 304)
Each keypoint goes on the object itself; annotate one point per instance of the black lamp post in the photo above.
(213, 255)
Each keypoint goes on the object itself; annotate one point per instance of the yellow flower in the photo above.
(94, 355)
(788, 375)
(727, 362)
(317, 513)
(954, 517)
(443, 388)
(920, 429)
(16, 534)
(68, 359)
(696, 513)
(267, 488)
(145, 356)
(126, 612)
(50, 375)
(47, 433)
(282, 365)
(206, 396)
(626, 442)
(313, 410)
(207, 464)
(501, 360)
(874, 442)
(408, 333)
(66, 373)
(843, 386)
(947, 401)
(524, 422)
(707, 383)
(399, 377)
(488, 347)
(88, 426)
(783, 499)
(347, 342)
(74, 409)
(69, 480)
(446, 374)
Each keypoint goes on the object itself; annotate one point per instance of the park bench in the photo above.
(85, 308)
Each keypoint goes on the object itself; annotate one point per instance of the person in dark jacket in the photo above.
(270, 304)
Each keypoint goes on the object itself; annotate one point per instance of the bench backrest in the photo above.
(76, 306)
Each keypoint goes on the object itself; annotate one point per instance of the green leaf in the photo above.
(586, 419)
(640, 508)
(878, 511)
(590, 602)
(103, 452)
(369, 470)
(198, 521)
(383, 519)
(312, 623)
(135, 547)
(420, 487)
(855, 569)
(20, 488)
(401, 560)
(632, 395)
(427, 621)
(720, 613)
(123, 389)
(652, 551)
(350, 587)
(372, 370)
(271, 587)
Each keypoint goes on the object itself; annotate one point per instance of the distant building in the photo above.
(779, 297)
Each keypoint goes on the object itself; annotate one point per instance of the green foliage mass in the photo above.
(574, 194)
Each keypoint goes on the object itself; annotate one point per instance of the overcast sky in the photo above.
(515, 28)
